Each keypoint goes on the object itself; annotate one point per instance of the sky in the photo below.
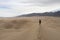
(11, 8)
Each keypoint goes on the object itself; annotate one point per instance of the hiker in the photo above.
(39, 21)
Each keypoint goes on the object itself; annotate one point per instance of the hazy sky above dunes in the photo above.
(9, 8)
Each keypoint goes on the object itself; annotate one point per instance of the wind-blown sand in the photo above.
(28, 28)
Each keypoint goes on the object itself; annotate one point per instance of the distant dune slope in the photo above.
(54, 14)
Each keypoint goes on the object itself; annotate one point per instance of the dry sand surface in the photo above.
(28, 28)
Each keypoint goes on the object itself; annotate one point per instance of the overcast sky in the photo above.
(10, 8)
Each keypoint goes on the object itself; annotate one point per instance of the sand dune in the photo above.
(28, 28)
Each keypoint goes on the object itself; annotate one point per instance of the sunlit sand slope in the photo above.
(28, 28)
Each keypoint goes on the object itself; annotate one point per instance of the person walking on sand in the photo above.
(39, 21)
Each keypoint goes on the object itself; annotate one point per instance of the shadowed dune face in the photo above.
(28, 28)
(50, 28)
